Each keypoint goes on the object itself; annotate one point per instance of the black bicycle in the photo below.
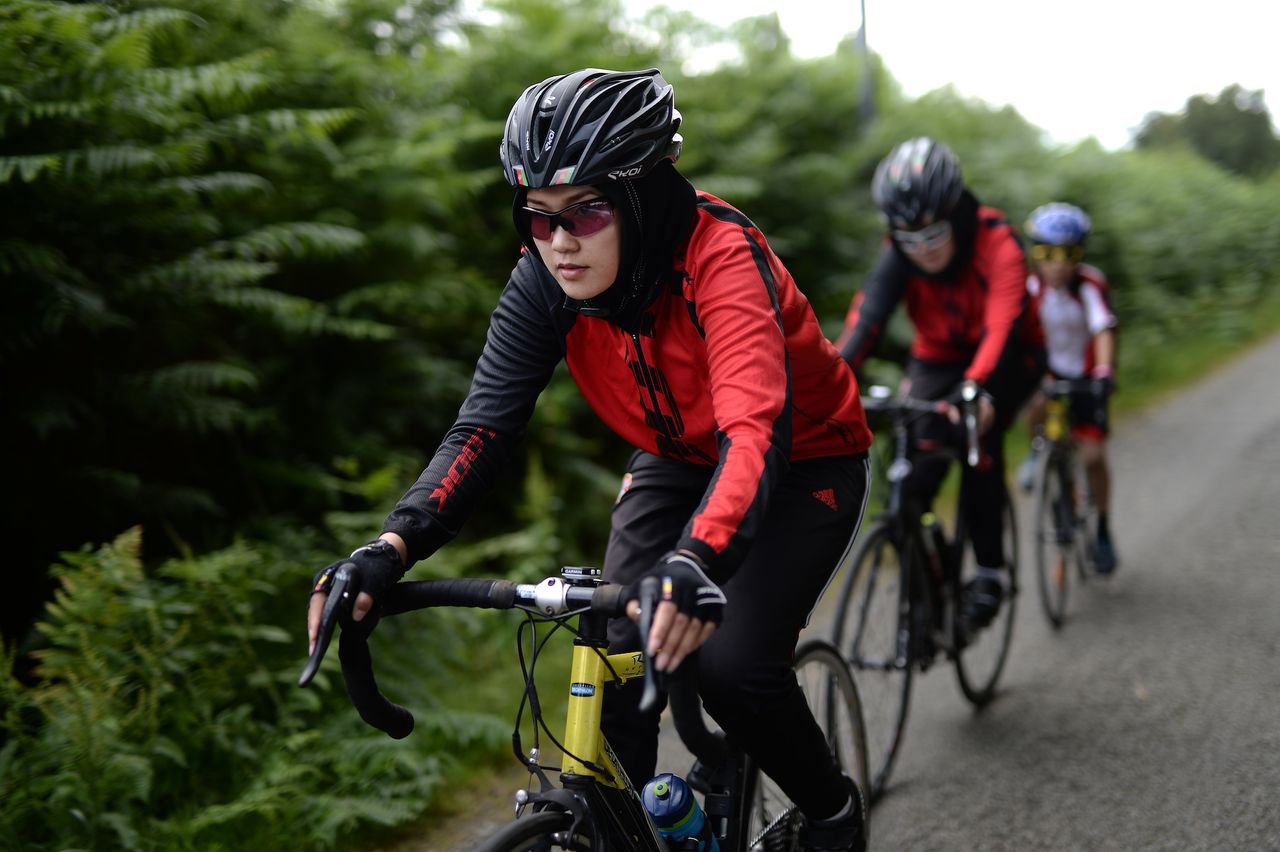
(1066, 519)
(899, 607)
(595, 806)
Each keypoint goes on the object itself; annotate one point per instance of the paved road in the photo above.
(1152, 719)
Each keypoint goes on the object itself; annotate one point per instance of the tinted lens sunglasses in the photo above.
(1042, 252)
(925, 239)
(581, 219)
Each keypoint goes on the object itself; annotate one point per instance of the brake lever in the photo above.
(648, 603)
(341, 596)
(969, 396)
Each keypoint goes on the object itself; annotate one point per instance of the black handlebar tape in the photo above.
(420, 594)
(648, 603)
(608, 600)
(357, 674)
(353, 646)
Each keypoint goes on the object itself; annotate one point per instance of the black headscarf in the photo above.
(657, 214)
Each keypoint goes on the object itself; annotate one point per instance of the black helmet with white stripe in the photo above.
(919, 183)
(590, 127)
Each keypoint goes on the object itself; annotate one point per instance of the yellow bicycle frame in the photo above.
(1055, 424)
(588, 675)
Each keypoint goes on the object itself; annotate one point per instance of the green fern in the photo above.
(294, 240)
(28, 168)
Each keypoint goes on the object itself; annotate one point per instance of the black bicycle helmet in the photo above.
(590, 127)
(918, 184)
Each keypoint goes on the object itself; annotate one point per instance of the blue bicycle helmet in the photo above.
(1058, 224)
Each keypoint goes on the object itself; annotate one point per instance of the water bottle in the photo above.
(677, 814)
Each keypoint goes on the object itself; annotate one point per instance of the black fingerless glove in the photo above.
(683, 580)
(378, 568)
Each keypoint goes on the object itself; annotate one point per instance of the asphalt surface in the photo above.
(1151, 719)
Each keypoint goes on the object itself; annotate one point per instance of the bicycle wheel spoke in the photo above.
(982, 656)
(1054, 543)
(868, 630)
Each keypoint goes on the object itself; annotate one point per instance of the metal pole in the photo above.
(866, 106)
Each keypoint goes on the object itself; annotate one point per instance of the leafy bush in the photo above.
(167, 713)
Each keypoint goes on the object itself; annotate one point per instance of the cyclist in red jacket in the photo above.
(688, 337)
(1072, 300)
(960, 269)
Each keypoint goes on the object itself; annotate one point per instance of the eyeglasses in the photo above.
(926, 239)
(1041, 253)
(581, 219)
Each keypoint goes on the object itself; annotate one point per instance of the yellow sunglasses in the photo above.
(1041, 252)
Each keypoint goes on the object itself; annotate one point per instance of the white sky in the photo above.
(1076, 69)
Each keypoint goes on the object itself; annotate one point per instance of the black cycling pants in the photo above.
(745, 671)
(984, 486)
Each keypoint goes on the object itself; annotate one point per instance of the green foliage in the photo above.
(1233, 130)
(249, 250)
(167, 714)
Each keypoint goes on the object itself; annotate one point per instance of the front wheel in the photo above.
(773, 822)
(872, 631)
(1055, 538)
(542, 831)
(982, 654)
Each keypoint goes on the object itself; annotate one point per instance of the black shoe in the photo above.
(841, 833)
(982, 597)
(1104, 555)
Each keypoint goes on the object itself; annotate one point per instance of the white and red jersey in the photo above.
(1071, 318)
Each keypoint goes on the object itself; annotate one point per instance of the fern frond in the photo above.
(200, 272)
(27, 112)
(202, 376)
(144, 20)
(17, 256)
(238, 78)
(29, 167)
(105, 161)
(300, 316)
(130, 49)
(296, 240)
(217, 184)
(282, 126)
(65, 22)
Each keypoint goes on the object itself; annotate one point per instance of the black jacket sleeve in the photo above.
(873, 306)
(525, 343)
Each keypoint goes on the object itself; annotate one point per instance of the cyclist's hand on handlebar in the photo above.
(379, 565)
(1104, 383)
(689, 608)
(986, 408)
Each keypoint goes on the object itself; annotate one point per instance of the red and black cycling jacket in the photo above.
(727, 369)
(969, 314)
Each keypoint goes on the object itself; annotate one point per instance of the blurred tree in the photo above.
(1233, 130)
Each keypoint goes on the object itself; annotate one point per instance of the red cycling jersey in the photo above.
(728, 368)
(968, 314)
